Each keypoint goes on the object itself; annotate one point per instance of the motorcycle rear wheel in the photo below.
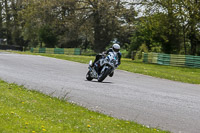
(88, 77)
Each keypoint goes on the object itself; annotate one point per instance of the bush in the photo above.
(47, 36)
(142, 48)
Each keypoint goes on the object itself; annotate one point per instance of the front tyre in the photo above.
(103, 75)
(88, 76)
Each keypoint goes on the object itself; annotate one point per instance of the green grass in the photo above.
(182, 74)
(22, 110)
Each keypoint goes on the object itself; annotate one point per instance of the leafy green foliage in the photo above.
(164, 26)
(142, 49)
(66, 23)
(169, 27)
(47, 36)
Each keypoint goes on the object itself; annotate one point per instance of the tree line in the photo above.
(171, 26)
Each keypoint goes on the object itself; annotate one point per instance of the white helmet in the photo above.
(116, 47)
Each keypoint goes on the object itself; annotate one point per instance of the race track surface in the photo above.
(150, 101)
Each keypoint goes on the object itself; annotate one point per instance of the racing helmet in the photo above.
(116, 47)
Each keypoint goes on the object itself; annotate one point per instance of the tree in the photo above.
(192, 17)
(149, 31)
(47, 35)
(57, 14)
(76, 23)
(8, 22)
(170, 23)
(106, 19)
(1, 20)
(17, 38)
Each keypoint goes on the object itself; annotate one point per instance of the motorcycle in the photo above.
(103, 67)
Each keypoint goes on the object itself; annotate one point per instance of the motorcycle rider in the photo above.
(115, 48)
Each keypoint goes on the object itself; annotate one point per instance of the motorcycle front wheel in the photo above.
(103, 75)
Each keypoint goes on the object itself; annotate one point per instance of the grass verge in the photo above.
(23, 110)
(182, 74)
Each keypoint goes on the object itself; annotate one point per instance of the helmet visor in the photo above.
(116, 50)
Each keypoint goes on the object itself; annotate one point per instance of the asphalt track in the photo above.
(153, 102)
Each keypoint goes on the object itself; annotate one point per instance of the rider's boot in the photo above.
(111, 74)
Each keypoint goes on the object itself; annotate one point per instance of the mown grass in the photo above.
(23, 110)
(182, 74)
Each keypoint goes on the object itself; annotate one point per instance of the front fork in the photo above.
(106, 67)
(93, 72)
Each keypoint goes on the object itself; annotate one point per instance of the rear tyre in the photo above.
(88, 77)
